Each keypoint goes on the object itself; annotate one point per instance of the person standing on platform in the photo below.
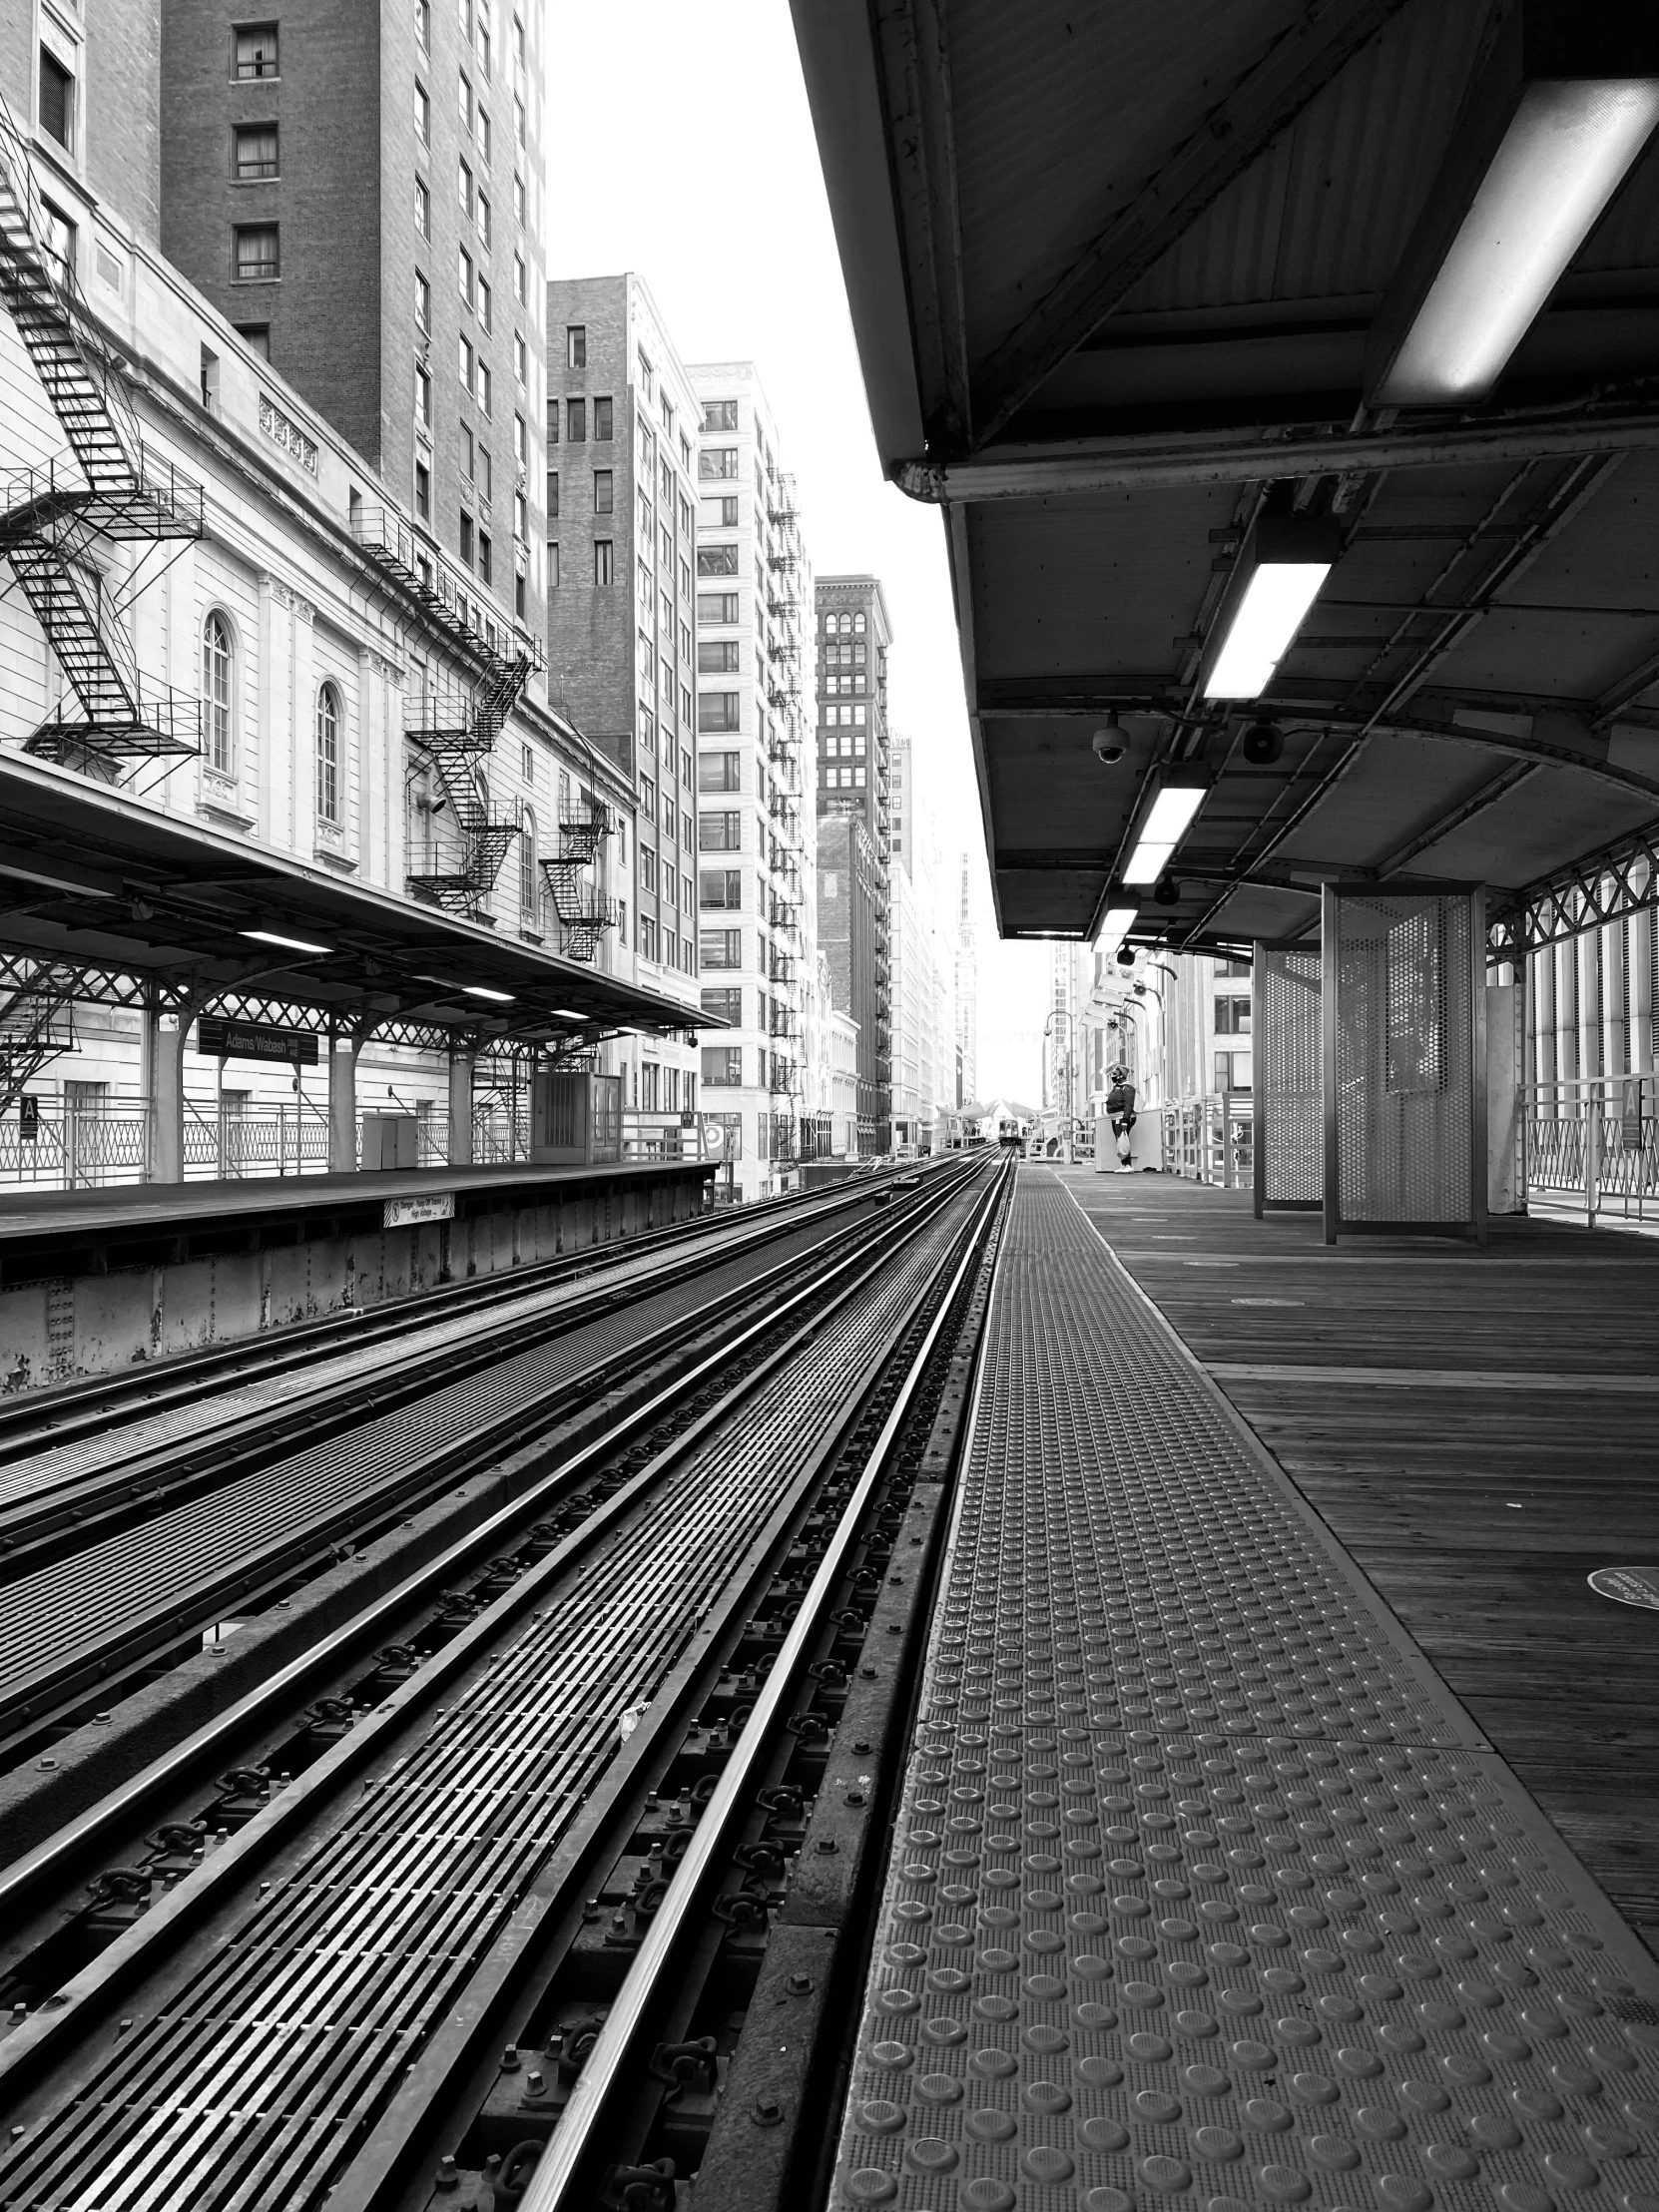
(1120, 1105)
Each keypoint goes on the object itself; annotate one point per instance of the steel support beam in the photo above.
(1156, 208)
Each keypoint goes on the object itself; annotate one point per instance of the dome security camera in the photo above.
(1126, 956)
(1110, 744)
(1166, 892)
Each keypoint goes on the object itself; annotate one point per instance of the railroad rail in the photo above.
(114, 1576)
(317, 1972)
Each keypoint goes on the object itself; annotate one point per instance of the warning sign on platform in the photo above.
(403, 1213)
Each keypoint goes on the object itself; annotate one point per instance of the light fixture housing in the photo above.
(1547, 134)
(1116, 924)
(482, 990)
(1164, 820)
(288, 944)
(1276, 579)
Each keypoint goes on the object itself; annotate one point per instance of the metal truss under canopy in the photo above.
(142, 909)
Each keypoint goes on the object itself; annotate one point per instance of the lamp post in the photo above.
(1063, 1013)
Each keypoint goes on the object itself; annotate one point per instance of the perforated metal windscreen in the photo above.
(1287, 1075)
(1405, 1056)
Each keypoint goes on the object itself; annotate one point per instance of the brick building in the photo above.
(358, 192)
(854, 779)
(852, 905)
(621, 501)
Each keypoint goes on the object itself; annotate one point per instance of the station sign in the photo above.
(404, 1212)
(1628, 1585)
(255, 1040)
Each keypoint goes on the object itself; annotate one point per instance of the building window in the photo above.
(218, 674)
(552, 564)
(424, 210)
(464, 361)
(720, 949)
(576, 412)
(521, 359)
(602, 503)
(576, 346)
(464, 91)
(717, 710)
(521, 441)
(552, 495)
(719, 607)
(718, 658)
(720, 414)
(422, 492)
(464, 187)
(257, 335)
(256, 50)
(719, 886)
(423, 116)
(485, 388)
(521, 590)
(724, 1004)
(1232, 1018)
(717, 461)
(485, 554)
(602, 420)
(604, 566)
(717, 511)
(518, 199)
(717, 560)
(721, 1063)
(466, 537)
(327, 754)
(255, 150)
(521, 281)
(423, 396)
(528, 862)
(719, 832)
(258, 256)
(423, 304)
(423, 24)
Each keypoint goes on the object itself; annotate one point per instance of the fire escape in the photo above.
(455, 735)
(108, 491)
(584, 914)
(37, 1021)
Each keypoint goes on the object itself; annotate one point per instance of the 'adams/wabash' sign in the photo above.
(255, 1040)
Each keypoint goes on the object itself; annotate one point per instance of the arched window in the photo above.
(217, 687)
(327, 754)
(528, 862)
(858, 625)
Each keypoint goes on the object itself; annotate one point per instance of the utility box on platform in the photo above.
(575, 1119)
(390, 1141)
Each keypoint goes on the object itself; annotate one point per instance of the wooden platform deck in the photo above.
(1480, 1429)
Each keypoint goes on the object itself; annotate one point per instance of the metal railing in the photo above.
(1594, 1140)
(1210, 1139)
(669, 1137)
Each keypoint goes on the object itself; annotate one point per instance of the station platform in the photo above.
(1211, 1879)
(96, 1279)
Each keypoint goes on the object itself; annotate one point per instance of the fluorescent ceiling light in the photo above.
(482, 990)
(1279, 568)
(1117, 925)
(1164, 826)
(292, 944)
(566, 1013)
(1566, 153)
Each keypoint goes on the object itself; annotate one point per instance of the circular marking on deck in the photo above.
(1628, 1585)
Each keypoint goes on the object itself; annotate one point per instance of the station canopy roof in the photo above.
(1130, 284)
(144, 902)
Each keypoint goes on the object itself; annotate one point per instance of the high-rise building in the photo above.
(621, 494)
(967, 1000)
(854, 779)
(851, 924)
(755, 844)
(923, 961)
(358, 192)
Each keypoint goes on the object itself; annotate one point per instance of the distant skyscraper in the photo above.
(967, 1002)
(756, 840)
(855, 778)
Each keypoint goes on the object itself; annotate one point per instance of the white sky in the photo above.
(682, 147)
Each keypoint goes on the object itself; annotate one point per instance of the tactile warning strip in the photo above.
(1194, 1895)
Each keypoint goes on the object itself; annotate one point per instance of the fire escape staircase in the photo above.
(37, 1022)
(455, 739)
(584, 914)
(54, 518)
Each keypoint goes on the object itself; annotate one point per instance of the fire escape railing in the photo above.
(56, 519)
(584, 913)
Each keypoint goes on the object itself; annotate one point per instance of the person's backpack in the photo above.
(1117, 1099)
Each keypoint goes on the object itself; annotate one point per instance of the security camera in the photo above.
(1110, 743)
(1166, 892)
(1262, 743)
(1126, 956)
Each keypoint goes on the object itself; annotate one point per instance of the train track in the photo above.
(107, 1582)
(47, 1419)
(318, 1976)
